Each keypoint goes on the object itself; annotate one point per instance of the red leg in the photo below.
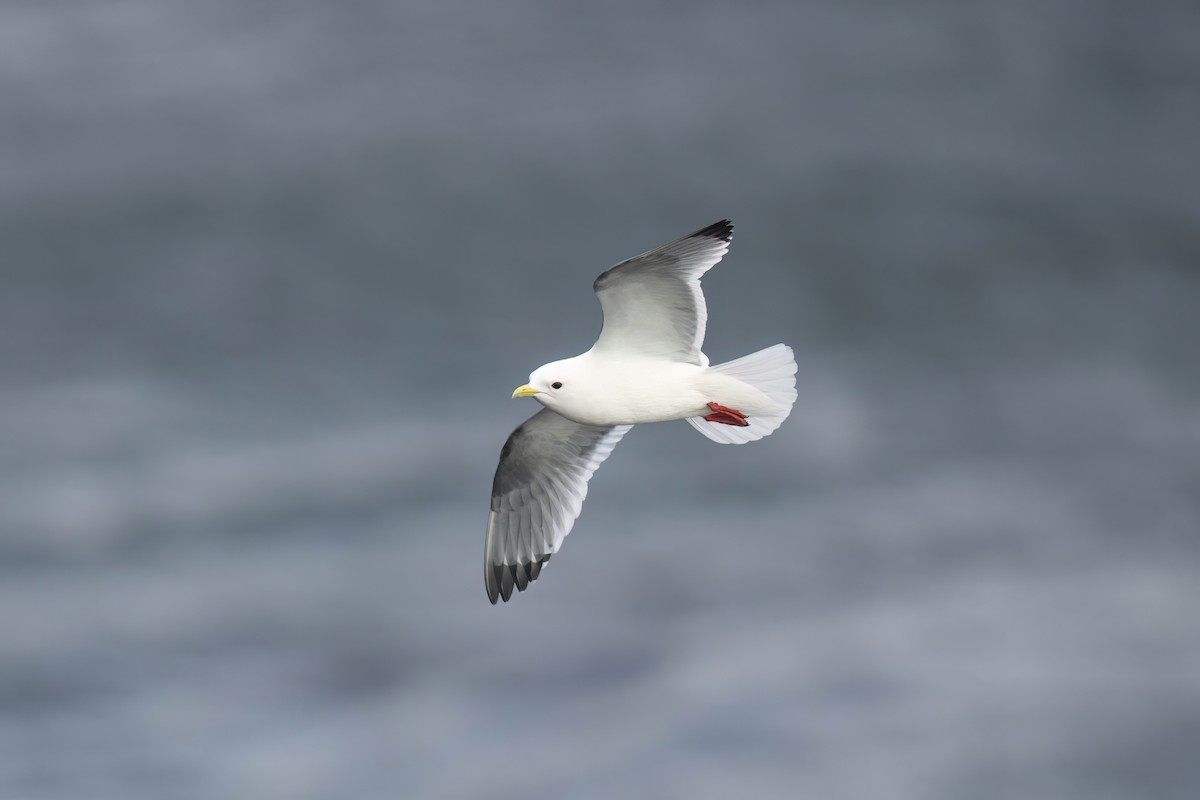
(726, 416)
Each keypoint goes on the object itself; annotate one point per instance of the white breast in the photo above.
(631, 391)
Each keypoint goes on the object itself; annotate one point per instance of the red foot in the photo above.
(726, 416)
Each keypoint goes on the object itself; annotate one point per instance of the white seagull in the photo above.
(645, 367)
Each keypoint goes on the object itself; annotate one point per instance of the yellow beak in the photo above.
(525, 391)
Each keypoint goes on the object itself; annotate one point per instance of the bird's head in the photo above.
(553, 384)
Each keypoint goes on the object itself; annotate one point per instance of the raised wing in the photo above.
(653, 304)
(537, 494)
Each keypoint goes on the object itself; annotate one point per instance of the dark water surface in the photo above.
(269, 272)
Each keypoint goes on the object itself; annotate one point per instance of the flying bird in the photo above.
(645, 367)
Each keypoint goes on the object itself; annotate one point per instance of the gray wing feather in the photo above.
(653, 304)
(537, 493)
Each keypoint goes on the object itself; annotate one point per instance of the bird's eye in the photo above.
(556, 385)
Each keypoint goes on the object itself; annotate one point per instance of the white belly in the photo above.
(631, 392)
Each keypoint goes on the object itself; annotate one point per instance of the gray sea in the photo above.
(270, 271)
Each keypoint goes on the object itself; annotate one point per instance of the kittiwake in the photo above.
(645, 367)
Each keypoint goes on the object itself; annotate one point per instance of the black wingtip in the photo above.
(721, 230)
(503, 578)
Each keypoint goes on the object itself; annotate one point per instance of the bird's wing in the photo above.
(537, 494)
(653, 304)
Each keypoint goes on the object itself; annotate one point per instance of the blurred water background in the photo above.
(269, 272)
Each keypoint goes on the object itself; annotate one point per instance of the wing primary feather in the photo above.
(507, 577)
(495, 582)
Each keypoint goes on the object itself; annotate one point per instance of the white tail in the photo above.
(773, 372)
